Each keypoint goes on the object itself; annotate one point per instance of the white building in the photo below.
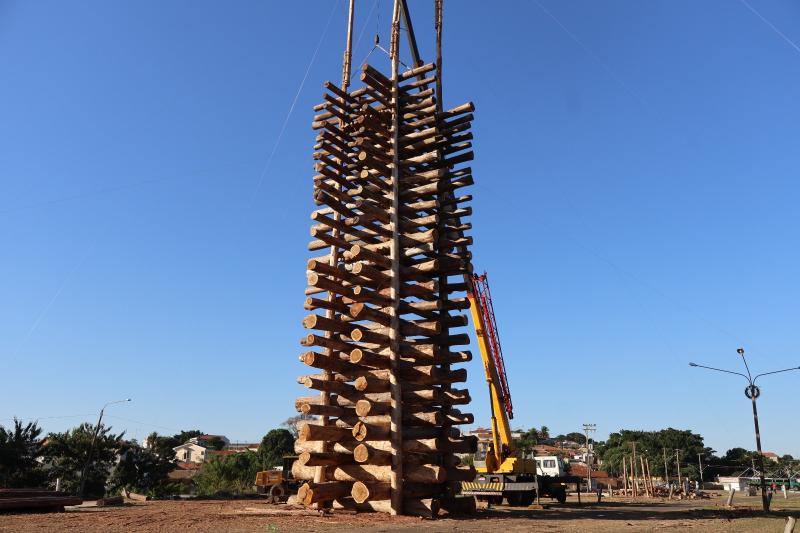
(738, 483)
(191, 453)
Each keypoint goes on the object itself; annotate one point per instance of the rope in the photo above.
(291, 108)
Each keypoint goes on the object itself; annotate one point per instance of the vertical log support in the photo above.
(442, 195)
(320, 473)
(394, 333)
(348, 49)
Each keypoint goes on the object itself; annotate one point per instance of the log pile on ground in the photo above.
(386, 298)
(35, 499)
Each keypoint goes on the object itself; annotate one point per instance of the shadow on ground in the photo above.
(629, 511)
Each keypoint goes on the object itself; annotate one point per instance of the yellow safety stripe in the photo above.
(469, 485)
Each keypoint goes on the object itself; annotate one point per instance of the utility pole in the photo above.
(752, 392)
(586, 429)
(666, 468)
(678, 463)
(700, 462)
(91, 446)
(635, 480)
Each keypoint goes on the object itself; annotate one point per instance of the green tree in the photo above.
(573, 436)
(740, 457)
(66, 453)
(215, 443)
(185, 436)
(19, 448)
(528, 440)
(274, 445)
(652, 445)
(228, 474)
(141, 470)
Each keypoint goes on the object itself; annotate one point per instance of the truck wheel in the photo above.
(519, 498)
(277, 493)
(560, 495)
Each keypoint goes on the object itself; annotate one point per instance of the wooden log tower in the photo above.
(388, 294)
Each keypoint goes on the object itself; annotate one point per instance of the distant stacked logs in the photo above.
(386, 295)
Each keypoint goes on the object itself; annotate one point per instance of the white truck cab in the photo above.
(550, 465)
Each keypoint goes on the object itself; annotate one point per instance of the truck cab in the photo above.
(550, 465)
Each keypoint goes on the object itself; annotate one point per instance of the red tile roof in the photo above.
(577, 469)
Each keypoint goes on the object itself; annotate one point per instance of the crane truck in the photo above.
(505, 472)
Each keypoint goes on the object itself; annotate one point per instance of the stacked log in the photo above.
(386, 296)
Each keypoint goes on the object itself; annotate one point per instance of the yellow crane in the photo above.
(506, 474)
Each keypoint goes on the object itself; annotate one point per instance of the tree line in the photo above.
(31, 459)
(664, 449)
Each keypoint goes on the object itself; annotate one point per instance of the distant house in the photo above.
(772, 456)
(191, 453)
(600, 478)
(184, 474)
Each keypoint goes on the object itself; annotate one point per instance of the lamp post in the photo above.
(752, 392)
(94, 440)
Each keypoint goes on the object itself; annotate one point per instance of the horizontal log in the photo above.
(338, 446)
(369, 359)
(325, 492)
(371, 432)
(328, 362)
(337, 387)
(312, 304)
(368, 473)
(325, 458)
(326, 410)
(367, 407)
(358, 253)
(370, 384)
(362, 492)
(409, 445)
(370, 455)
(326, 324)
(313, 432)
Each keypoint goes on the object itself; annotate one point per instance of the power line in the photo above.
(594, 56)
(292, 106)
(37, 418)
(771, 25)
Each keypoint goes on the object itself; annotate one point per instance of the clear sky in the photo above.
(636, 206)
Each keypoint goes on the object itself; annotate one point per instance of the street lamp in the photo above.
(752, 392)
(94, 440)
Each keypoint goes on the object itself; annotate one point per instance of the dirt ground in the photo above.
(251, 515)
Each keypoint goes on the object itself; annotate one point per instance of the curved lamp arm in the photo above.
(720, 370)
(775, 372)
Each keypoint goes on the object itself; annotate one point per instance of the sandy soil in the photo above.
(252, 515)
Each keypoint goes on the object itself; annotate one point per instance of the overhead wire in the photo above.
(771, 25)
(594, 56)
(292, 106)
(40, 317)
(627, 273)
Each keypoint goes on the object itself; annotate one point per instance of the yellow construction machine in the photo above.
(505, 473)
(276, 484)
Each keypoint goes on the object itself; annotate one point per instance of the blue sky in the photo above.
(635, 205)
